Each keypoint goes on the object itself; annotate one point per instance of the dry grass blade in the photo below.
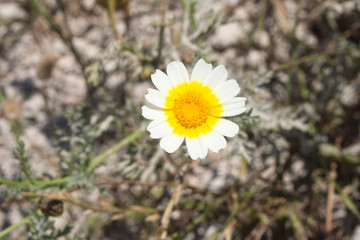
(228, 231)
(281, 16)
(330, 197)
(165, 219)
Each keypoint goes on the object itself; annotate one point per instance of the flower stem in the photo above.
(47, 183)
(13, 227)
(105, 155)
(94, 163)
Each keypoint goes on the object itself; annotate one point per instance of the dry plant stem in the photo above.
(111, 9)
(102, 207)
(353, 29)
(148, 184)
(280, 13)
(330, 197)
(48, 111)
(64, 196)
(165, 220)
(152, 164)
(231, 221)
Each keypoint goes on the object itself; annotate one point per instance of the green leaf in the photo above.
(348, 202)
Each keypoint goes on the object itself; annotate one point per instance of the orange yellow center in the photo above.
(191, 109)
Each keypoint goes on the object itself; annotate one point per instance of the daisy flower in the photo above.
(193, 109)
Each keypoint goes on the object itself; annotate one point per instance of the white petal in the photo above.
(226, 127)
(201, 72)
(160, 130)
(214, 141)
(234, 112)
(190, 148)
(233, 107)
(154, 123)
(152, 114)
(227, 90)
(171, 143)
(161, 82)
(155, 97)
(194, 147)
(204, 148)
(177, 73)
(218, 76)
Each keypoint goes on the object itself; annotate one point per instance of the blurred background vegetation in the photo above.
(77, 163)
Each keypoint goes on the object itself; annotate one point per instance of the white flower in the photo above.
(193, 108)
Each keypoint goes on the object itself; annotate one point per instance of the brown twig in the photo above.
(281, 17)
(165, 220)
(330, 197)
(111, 10)
(129, 182)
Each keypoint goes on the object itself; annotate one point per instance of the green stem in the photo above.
(95, 162)
(289, 86)
(347, 200)
(46, 183)
(161, 34)
(101, 158)
(13, 227)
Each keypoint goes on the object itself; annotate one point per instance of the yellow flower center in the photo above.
(192, 108)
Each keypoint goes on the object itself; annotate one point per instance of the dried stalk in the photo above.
(165, 220)
(330, 197)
